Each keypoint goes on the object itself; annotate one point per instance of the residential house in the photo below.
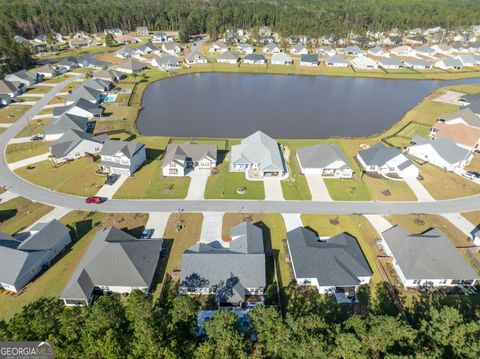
(464, 116)
(378, 51)
(147, 49)
(309, 60)
(259, 156)
(426, 260)
(195, 57)
(254, 59)
(336, 61)
(125, 52)
(21, 261)
(449, 63)
(393, 41)
(271, 48)
(352, 51)
(23, 76)
(416, 40)
(131, 66)
(68, 64)
(98, 84)
(425, 51)
(179, 160)
(466, 100)
(218, 46)
(113, 31)
(299, 49)
(82, 42)
(91, 62)
(387, 161)
(80, 107)
(334, 265)
(114, 262)
(5, 99)
(326, 50)
(403, 51)
(468, 60)
(166, 62)
(228, 57)
(108, 75)
(235, 275)
(245, 48)
(60, 125)
(443, 49)
(463, 135)
(121, 157)
(11, 88)
(417, 64)
(281, 58)
(440, 152)
(390, 63)
(125, 39)
(327, 160)
(86, 93)
(160, 37)
(75, 144)
(48, 71)
(171, 48)
(142, 31)
(364, 63)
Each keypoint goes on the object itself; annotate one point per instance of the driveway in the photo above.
(5, 125)
(461, 223)
(158, 222)
(212, 228)
(7, 196)
(292, 220)
(19, 140)
(378, 222)
(28, 161)
(109, 190)
(417, 188)
(273, 189)
(198, 183)
(318, 189)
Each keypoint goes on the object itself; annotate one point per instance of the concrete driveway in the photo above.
(28, 161)
(212, 227)
(158, 222)
(273, 189)
(198, 183)
(378, 222)
(292, 221)
(7, 196)
(461, 223)
(417, 188)
(318, 189)
(109, 190)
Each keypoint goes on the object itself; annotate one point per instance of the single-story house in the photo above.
(113, 31)
(378, 51)
(449, 63)
(443, 49)
(332, 265)
(109, 75)
(125, 52)
(82, 42)
(280, 58)
(393, 41)
(195, 57)
(80, 107)
(131, 66)
(218, 46)
(23, 76)
(166, 62)
(147, 49)
(75, 144)
(171, 48)
(258, 155)
(427, 259)
(236, 275)
(364, 63)
(463, 135)
(326, 50)
(91, 62)
(245, 48)
(271, 48)
(425, 50)
(336, 61)
(5, 99)
(21, 261)
(114, 262)
(87, 93)
(98, 84)
(179, 160)
(254, 59)
(125, 39)
(48, 71)
(60, 125)
(11, 88)
(390, 63)
(228, 57)
(121, 157)
(325, 159)
(468, 60)
(142, 31)
(299, 49)
(68, 64)
(416, 40)
(464, 115)
(386, 161)
(352, 51)
(404, 50)
(309, 60)
(440, 152)
(417, 64)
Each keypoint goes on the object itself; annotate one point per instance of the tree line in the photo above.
(312, 326)
(288, 17)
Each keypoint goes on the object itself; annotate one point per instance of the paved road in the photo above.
(17, 185)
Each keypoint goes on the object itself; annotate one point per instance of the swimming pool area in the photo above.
(110, 98)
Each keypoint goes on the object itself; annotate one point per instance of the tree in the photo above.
(109, 41)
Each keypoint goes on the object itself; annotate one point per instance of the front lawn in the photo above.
(473, 217)
(347, 190)
(77, 177)
(21, 151)
(33, 127)
(295, 186)
(383, 189)
(224, 185)
(12, 113)
(56, 79)
(36, 89)
(20, 213)
(475, 164)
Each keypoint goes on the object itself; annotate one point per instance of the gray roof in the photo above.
(425, 49)
(47, 69)
(338, 261)
(271, 46)
(112, 147)
(353, 50)
(228, 55)
(254, 57)
(167, 60)
(378, 154)
(194, 55)
(220, 44)
(281, 56)
(147, 46)
(240, 266)
(125, 51)
(97, 84)
(64, 123)
(110, 75)
(22, 74)
(90, 61)
(471, 98)
(390, 61)
(9, 86)
(131, 65)
(417, 63)
(80, 103)
(7, 240)
(336, 59)
(87, 93)
(170, 45)
(259, 148)
(193, 151)
(114, 258)
(474, 107)
(377, 49)
(451, 62)
(430, 255)
(321, 156)
(448, 150)
(311, 58)
(46, 238)
(298, 46)
(466, 114)
(71, 139)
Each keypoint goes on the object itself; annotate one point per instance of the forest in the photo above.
(288, 17)
(312, 326)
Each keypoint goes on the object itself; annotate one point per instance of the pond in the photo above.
(303, 107)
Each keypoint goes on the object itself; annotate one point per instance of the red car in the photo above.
(95, 199)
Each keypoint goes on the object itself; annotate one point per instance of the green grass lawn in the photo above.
(21, 151)
(296, 186)
(10, 114)
(59, 99)
(383, 189)
(403, 138)
(36, 89)
(33, 127)
(20, 213)
(224, 185)
(77, 177)
(56, 79)
(52, 282)
(347, 190)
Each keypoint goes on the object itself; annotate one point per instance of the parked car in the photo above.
(147, 233)
(37, 137)
(471, 175)
(95, 199)
(111, 179)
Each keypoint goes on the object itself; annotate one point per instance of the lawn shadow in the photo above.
(6, 214)
(221, 155)
(159, 276)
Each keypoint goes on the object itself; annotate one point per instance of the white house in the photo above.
(159, 37)
(378, 51)
(75, 144)
(387, 161)
(271, 49)
(179, 160)
(390, 63)
(166, 62)
(426, 260)
(131, 66)
(309, 60)
(218, 46)
(336, 61)
(468, 60)
(425, 51)
(280, 58)
(121, 157)
(171, 48)
(299, 49)
(228, 57)
(81, 108)
(125, 52)
(364, 63)
(327, 160)
(417, 64)
(443, 49)
(11, 88)
(245, 48)
(254, 59)
(326, 50)
(449, 63)
(195, 57)
(404, 50)
(48, 71)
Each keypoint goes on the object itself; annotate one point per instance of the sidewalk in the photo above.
(27, 162)
(7, 196)
(378, 222)
(55, 213)
(19, 140)
(461, 223)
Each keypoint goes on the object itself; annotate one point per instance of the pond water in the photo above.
(236, 105)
